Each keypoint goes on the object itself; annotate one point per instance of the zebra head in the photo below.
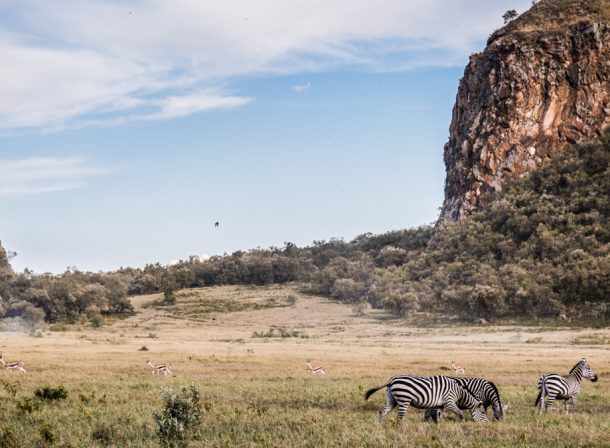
(491, 395)
(467, 400)
(583, 369)
(500, 412)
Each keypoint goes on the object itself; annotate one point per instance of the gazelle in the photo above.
(459, 368)
(12, 364)
(315, 369)
(158, 368)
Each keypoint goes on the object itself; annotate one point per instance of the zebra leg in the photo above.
(390, 404)
(550, 399)
(403, 407)
(434, 414)
(574, 401)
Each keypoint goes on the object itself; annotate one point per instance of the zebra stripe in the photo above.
(482, 389)
(425, 392)
(552, 386)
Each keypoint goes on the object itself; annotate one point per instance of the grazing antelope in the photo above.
(315, 369)
(459, 368)
(12, 364)
(158, 368)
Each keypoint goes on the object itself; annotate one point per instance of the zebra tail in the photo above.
(538, 398)
(373, 390)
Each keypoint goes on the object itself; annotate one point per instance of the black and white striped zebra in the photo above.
(425, 392)
(484, 390)
(552, 386)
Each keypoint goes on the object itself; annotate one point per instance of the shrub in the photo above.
(180, 417)
(49, 393)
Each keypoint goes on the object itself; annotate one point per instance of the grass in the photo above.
(204, 303)
(256, 392)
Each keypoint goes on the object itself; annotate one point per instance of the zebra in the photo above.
(552, 386)
(426, 392)
(484, 390)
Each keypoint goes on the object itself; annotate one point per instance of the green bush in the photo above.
(48, 393)
(180, 417)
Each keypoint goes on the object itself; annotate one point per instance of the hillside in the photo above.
(531, 194)
(539, 249)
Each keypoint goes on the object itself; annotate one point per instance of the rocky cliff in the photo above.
(541, 85)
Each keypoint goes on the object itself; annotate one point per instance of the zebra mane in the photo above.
(465, 386)
(578, 365)
(495, 389)
(500, 409)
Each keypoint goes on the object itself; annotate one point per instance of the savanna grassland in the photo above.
(245, 349)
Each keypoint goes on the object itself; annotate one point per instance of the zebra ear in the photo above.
(584, 359)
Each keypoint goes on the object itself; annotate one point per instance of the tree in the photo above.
(509, 15)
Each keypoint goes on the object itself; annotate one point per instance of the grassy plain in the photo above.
(257, 391)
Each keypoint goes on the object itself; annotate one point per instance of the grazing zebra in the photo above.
(552, 386)
(18, 365)
(424, 392)
(484, 390)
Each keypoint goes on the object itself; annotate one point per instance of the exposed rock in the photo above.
(530, 94)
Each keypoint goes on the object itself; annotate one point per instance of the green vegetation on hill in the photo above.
(538, 249)
(547, 16)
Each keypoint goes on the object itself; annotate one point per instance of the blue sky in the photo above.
(128, 128)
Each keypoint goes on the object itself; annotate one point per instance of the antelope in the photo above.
(158, 368)
(12, 364)
(459, 368)
(315, 369)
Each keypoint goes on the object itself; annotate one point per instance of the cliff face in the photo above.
(531, 93)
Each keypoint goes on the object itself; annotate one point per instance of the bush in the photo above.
(49, 393)
(180, 417)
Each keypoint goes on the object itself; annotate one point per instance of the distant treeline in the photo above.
(538, 249)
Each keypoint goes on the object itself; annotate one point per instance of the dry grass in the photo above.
(258, 393)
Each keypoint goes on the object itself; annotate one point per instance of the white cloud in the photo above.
(180, 106)
(93, 61)
(299, 88)
(44, 174)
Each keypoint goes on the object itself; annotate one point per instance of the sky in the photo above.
(128, 128)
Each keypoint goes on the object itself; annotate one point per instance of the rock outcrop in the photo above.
(541, 85)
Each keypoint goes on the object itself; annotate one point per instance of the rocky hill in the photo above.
(541, 85)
